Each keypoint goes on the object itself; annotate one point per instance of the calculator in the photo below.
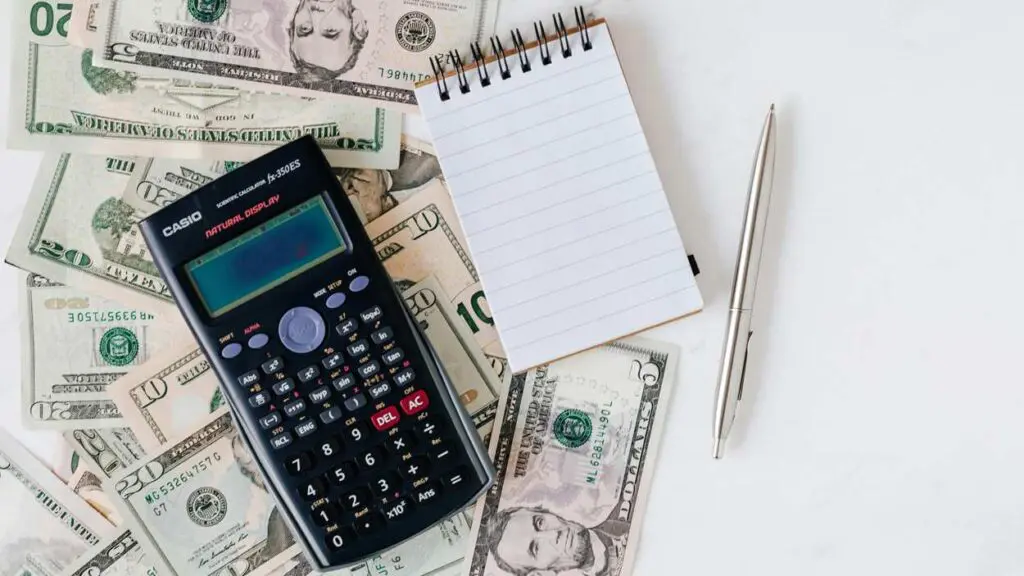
(361, 438)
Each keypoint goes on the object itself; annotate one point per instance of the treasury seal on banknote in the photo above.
(415, 31)
(572, 428)
(119, 346)
(207, 506)
(207, 10)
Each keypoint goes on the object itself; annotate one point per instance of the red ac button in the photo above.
(385, 419)
(415, 402)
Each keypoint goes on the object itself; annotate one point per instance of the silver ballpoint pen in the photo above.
(741, 304)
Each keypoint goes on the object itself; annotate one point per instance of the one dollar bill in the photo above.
(574, 450)
(74, 344)
(357, 50)
(200, 506)
(44, 526)
(61, 101)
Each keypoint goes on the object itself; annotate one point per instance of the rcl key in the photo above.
(385, 419)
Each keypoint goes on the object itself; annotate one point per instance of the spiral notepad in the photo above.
(562, 206)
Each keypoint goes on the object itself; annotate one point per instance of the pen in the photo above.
(741, 304)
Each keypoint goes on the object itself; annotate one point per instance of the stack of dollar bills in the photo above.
(137, 104)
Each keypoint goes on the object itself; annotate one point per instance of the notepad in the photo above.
(562, 206)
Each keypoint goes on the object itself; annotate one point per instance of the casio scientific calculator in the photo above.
(338, 395)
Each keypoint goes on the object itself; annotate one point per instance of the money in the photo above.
(76, 230)
(121, 555)
(157, 182)
(574, 453)
(82, 25)
(89, 487)
(73, 346)
(356, 50)
(200, 506)
(167, 397)
(107, 451)
(477, 385)
(63, 102)
(437, 552)
(44, 526)
(421, 237)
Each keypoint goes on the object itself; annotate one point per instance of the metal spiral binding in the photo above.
(504, 70)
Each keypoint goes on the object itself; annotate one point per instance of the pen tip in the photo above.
(771, 109)
(718, 449)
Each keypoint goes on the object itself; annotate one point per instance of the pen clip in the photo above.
(743, 371)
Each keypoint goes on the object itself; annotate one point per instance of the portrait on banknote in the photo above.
(378, 191)
(325, 38)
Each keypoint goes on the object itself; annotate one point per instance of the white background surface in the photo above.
(882, 432)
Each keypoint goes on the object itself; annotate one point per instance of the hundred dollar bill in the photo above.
(200, 506)
(76, 230)
(121, 555)
(61, 101)
(357, 50)
(106, 451)
(99, 341)
(89, 487)
(44, 526)
(574, 452)
(168, 396)
(422, 236)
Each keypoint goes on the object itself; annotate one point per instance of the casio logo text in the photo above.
(182, 224)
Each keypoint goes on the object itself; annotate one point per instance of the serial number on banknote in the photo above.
(403, 75)
(168, 487)
(108, 316)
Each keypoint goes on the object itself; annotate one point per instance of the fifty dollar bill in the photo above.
(574, 450)
(60, 100)
(364, 51)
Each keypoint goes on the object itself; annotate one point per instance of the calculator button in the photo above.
(301, 329)
(249, 378)
(429, 428)
(359, 283)
(261, 399)
(328, 416)
(281, 440)
(347, 327)
(270, 420)
(358, 349)
(327, 448)
(415, 468)
(400, 443)
(335, 300)
(283, 387)
(427, 493)
(331, 362)
(385, 419)
(308, 373)
(457, 477)
(231, 350)
(294, 408)
(383, 335)
(342, 473)
(442, 453)
(370, 459)
(306, 428)
(393, 356)
(257, 341)
(368, 369)
(315, 489)
(344, 382)
(378, 390)
(385, 485)
(340, 540)
(369, 523)
(355, 499)
(320, 395)
(404, 377)
(397, 510)
(415, 403)
(355, 403)
(273, 365)
(298, 464)
(325, 514)
(357, 433)
(371, 315)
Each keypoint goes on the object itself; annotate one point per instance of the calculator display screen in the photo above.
(266, 256)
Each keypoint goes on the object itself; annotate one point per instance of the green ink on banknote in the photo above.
(207, 10)
(572, 428)
(119, 346)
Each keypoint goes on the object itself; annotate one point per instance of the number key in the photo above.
(312, 490)
(297, 464)
(339, 540)
(357, 433)
(327, 448)
(355, 499)
(341, 473)
(371, 459)
(385, 485)
(325, 514)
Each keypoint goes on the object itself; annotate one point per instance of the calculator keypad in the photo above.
(352, 423)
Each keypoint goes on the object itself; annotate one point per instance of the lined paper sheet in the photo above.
(564, 212)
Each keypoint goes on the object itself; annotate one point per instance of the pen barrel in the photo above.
(755, 220)
(733, 370)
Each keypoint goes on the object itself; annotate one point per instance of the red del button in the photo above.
(415, 402)
(385, 419)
